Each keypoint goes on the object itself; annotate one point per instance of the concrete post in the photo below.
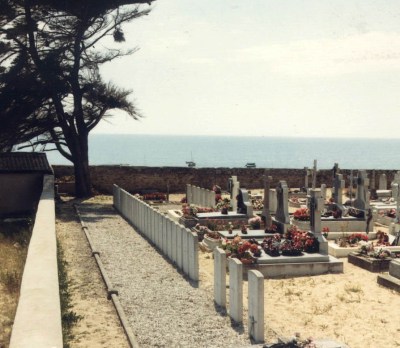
(236, 290)
(220, 277)
(185, 250)
(179, 254)
(193, 251)
(256, 306)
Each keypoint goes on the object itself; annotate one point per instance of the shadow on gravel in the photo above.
(238, 327)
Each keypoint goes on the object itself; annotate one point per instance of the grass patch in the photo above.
(68, 317)
(14, 240)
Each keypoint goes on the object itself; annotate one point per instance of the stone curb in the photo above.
(112, 294)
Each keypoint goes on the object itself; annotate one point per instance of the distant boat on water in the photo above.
(191, 164)
(250, 165)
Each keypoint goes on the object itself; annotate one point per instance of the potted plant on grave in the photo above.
(255, 222)
(244, 255)
(383, 238)
(223, 206)
(271, 245)
(243, 229)
(255, 248)
(325, 231)
(231, 246)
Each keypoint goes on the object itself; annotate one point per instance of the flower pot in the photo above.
(224, 211)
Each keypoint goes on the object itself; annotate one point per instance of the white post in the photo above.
(220, 277)
(185, 250)
(193, 249)
(256, 306)
(236, 290)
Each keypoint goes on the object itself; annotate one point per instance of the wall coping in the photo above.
(38, 319)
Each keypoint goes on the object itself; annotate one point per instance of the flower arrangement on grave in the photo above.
(302, 214)
(257, 204)
(229, 228)
(231, 246)
(336, 213)
(244, 254)
(244, 251)
(184, 200)
(355, 238)
(291, 248)
(243, 229)
(271, 229)
(382, 238)
(255, 222)
(271, 244)
(223, 205)
(189, 210)
(391, 213)
(325, 231)
(304, 240)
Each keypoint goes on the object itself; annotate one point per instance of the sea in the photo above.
(237, 151)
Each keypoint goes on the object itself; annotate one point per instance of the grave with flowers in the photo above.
(294, 252)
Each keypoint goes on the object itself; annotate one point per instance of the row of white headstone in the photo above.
(177, 243)
(255, 317)
(200, 196)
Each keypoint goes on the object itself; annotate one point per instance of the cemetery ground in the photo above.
(14, 239)
(349, 307)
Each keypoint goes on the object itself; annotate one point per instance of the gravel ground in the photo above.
(163, 308)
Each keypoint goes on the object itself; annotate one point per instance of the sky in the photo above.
(304, 68)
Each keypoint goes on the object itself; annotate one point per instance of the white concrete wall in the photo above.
(177, 243)
(38, 319)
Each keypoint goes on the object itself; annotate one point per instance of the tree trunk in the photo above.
(83, 184)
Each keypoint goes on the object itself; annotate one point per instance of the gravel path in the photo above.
(163, 308)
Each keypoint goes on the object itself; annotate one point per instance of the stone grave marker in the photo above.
(314, 175)
(361, 202)
(265, 213)
(244, 205)
(306, 175)
(338, 186)
(335, 170)
(316, 206)
(382, 182)
(235, 187)
(282, 210)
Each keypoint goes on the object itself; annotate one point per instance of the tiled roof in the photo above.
(24, 162)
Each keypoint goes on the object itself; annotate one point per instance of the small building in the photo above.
(21, 181)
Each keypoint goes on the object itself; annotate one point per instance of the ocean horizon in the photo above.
(237, 151)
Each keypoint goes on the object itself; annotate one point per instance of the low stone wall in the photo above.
(38, 319)
(134, 179)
